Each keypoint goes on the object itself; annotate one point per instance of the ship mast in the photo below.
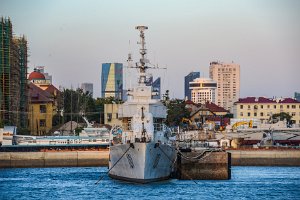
(143, 51)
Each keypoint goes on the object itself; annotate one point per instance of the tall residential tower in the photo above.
(227, 76)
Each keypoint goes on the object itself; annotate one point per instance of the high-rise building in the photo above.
(112, 80)
(156, 88)
(87, 87)
(203, 90)
(187, 79)
(297, 96)
(13, 77)
(227, 76)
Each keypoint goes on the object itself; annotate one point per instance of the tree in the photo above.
(281, 116)
(176, 112)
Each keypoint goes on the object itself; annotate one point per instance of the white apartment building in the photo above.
(227, 76)
(203, 90)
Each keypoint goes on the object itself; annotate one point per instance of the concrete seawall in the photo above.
(100, 158)
(53, 159)
(265, 157)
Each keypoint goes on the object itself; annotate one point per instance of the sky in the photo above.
(73, 37)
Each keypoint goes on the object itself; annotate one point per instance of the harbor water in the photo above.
(79, 183)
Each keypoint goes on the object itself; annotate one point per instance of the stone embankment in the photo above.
(53, 159)
(266, 157)
(100, 158)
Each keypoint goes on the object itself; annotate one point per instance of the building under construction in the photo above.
(13, 77)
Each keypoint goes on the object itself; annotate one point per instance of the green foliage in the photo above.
(281, 116)
(78, 130)
(74, 103)
(23, 131)
(176, 111)
(229, 115)
(56, 120)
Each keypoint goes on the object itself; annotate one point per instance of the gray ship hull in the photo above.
(142, 163)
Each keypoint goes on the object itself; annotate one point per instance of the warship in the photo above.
(142, 149)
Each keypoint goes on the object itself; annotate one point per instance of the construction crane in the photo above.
(237, 124)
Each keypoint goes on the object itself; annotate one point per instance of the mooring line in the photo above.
(178, 166)
(101, 177)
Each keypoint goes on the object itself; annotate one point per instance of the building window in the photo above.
(287, 106)
(241, 114)
(241, 106)
(117, 115)
(42, 123)
(261, 106)
(109, 116)
(281, 106)
(293, 114)
(248, 114)
(248, 106)
(43, 109)
(293, 106)
(255, 114)
(261, 114)
(274, 106)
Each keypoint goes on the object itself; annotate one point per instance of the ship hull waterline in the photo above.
(141, 162)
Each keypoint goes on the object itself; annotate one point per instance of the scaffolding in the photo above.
(13, 77)
(22, 62)
(5, 75)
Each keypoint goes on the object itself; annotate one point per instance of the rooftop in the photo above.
(266, 100)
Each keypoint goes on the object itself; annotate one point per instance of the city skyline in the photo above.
(75, 37)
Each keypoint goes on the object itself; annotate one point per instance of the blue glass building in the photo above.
(187, 79)
(297, 96)
(112, 80)
(156, 88)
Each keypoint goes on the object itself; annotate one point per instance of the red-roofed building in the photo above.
(263, 108)
(201, 113)
(43, 93)
(41, 110)
(36, 76)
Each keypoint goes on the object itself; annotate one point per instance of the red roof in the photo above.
(265, 100)
(37, 95)
(255, 100)
(36, 75)
(214, 108)
(189, 102)
(289, 100)
(52, 90)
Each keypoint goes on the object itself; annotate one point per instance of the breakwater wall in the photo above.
(53, 159)
(100, 158)
(265, 157)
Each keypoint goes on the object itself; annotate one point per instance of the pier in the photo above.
(204, 165)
